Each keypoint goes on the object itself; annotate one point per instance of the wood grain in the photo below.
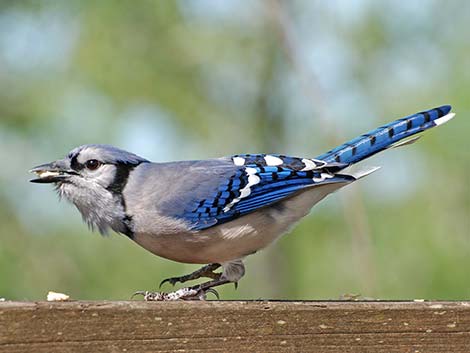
(229, 326)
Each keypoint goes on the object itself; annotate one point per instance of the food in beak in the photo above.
(46, 173)
(47, 176)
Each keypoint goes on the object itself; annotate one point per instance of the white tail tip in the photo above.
(444, 119)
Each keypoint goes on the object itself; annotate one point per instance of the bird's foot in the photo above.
(189, 293)
(233, 271)
(205, 271)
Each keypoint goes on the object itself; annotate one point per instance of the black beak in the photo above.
(51, 172)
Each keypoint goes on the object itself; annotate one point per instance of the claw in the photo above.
(139, 292)
(172, 280)
(213, 291)
(205, 271)
(202, 294)
(235, 284)
(150, 296)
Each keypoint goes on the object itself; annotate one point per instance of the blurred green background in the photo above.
(175, 80)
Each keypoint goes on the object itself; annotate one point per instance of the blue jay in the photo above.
(216, 211)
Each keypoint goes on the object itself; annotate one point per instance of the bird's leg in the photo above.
(207, 287)
(197, 292)
(205, 271)
(232, 272)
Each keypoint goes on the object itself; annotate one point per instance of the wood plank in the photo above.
(232, 326)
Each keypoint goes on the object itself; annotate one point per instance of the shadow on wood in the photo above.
(226, 326)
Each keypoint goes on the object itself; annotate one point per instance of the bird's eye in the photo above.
(92, 164)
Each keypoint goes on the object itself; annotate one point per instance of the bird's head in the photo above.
(91, 176)
(88, 166)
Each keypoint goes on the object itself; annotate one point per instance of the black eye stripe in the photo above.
(75, 164)
(91, 164)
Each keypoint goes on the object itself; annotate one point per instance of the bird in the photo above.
(214, 212)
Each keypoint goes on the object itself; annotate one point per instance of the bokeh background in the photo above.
(175, 80)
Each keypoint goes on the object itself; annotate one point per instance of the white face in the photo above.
(88, 186)
(92, 177)
(92, 169)
(88, 190)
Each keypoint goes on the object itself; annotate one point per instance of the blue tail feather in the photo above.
(383, 137)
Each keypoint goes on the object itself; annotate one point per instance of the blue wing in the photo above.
(260, 181)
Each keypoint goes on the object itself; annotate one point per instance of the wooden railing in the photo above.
(233, 326)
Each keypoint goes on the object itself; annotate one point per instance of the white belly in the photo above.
(236, 239)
